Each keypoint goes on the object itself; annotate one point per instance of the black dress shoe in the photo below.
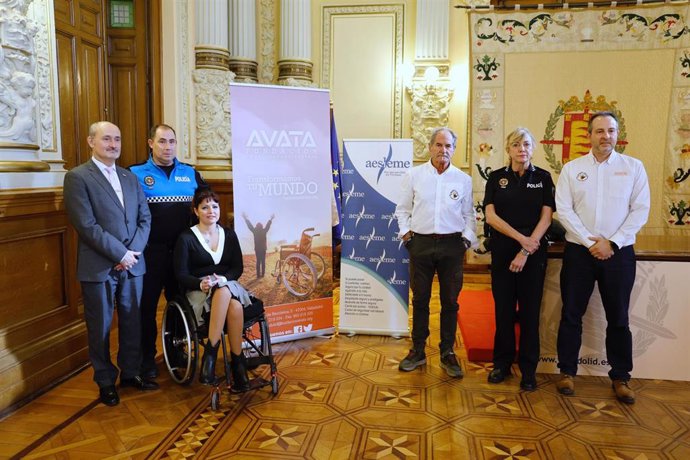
(528, 383)
(109, 395)
(498, 375)
(139, 383)
(150, 374)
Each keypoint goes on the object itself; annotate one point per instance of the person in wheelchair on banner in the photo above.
(208, 263)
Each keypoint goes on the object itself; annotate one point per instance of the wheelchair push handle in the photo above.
(310, 229)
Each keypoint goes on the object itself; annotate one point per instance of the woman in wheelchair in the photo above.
(208, 258)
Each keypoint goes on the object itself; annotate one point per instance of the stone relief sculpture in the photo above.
(212, 113)
(430, 105)
(17, 73)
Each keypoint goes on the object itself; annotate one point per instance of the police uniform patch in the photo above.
(149, 180)
(454, 195)
(582, 176)
(503, 182)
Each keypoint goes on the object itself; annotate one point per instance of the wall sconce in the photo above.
(430, 90)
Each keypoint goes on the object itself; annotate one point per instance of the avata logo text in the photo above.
(282, 138)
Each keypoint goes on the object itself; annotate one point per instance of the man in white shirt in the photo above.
(437, 223)
(602, 200)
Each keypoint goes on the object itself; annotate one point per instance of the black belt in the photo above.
(440, 236)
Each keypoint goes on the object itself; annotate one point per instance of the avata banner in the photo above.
(282, 192)
(374, 287)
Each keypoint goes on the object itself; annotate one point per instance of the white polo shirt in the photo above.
(436, 203)
(609, 199)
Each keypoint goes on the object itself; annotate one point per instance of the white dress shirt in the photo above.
(609, 199)
(437, 203)
(111, 177)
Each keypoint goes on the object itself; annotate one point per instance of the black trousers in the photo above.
(443, 256)
(615, 277)
(159, 275)
(516, 294)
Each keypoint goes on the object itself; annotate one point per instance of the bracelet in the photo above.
(524, 252)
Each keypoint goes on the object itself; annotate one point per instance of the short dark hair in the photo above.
(438, 130)
(202, 194)
(154, 128)
(596, 115)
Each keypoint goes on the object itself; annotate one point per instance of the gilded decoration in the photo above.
(184, 71)
(210, 58)
(212, 99)
(397, 11)
(430, 106)
(45, 62)
(297, 70)
(244, 70)
(267, 41)
(494, 35)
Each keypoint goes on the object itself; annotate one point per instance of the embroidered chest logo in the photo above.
(503, 183)
(182, 179)
(539, 185)
(582, 176)
(149, 180)
(454, 195)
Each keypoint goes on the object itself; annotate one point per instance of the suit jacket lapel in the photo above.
(104, 183)
(129, 193)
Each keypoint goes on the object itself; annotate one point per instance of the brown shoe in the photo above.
(566, 385)
(623, 391)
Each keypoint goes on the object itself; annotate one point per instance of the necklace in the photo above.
(207, 236)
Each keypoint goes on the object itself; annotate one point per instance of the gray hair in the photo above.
(448, 130)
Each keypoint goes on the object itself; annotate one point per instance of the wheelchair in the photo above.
(298, 267)
(182, 336)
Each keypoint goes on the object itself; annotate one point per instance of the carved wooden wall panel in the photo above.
(42, 332)
(129, 98)
(123, 85)
(81, 73)
(67, 88)
(33, 281)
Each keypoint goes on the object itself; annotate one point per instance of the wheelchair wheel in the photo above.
(299, 275)
(319, 264)
(180, 343)
(215, 398)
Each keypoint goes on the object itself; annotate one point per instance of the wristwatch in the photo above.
(524, 252)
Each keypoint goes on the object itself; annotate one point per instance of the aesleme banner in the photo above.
(282, 192)
(374, 287)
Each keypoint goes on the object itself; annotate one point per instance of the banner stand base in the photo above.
(321, 333)
(395, 334)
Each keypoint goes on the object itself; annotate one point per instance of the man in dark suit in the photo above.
(108, 209)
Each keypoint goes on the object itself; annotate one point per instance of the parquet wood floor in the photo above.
(343, 398)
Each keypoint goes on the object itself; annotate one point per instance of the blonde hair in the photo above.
(519, 134)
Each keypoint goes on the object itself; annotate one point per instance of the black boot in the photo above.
(208, 363)
(240, 380)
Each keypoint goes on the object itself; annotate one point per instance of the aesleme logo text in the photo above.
(281, 138)
(383, 163)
